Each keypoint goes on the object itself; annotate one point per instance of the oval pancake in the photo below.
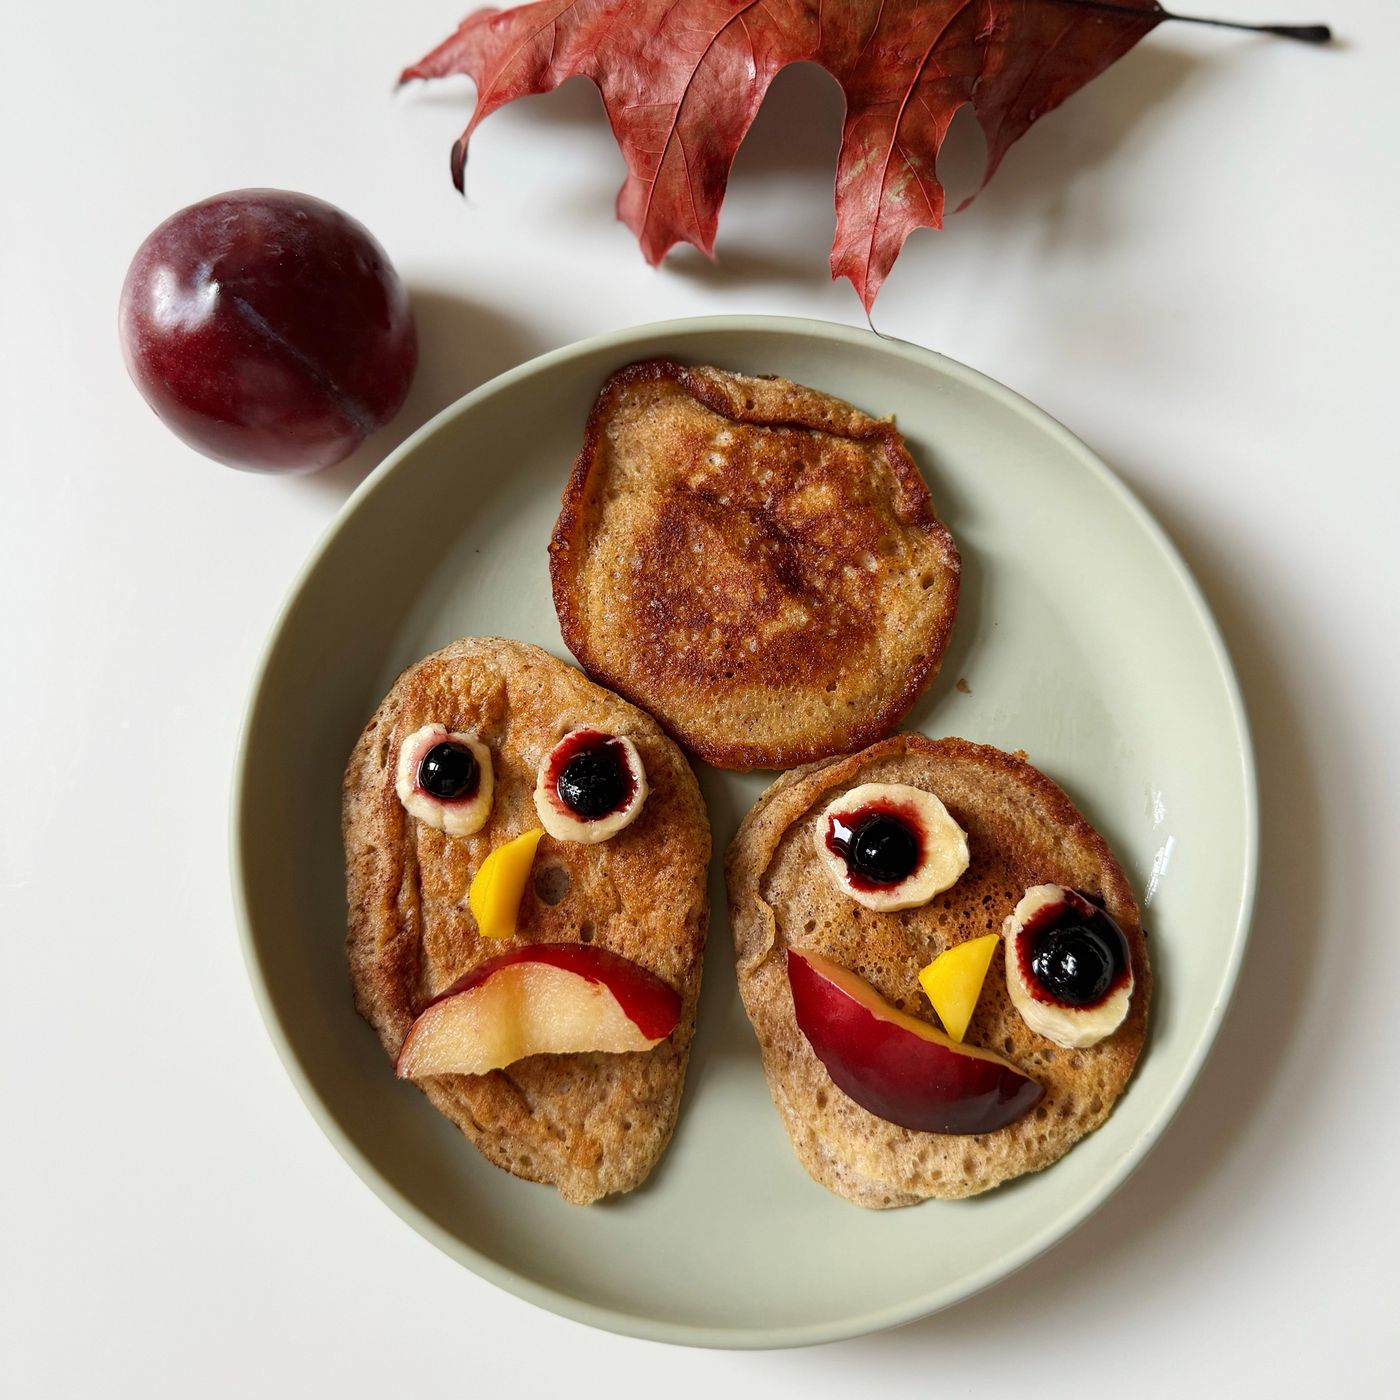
(757, 564)
(589, 1124)
(1022, 830)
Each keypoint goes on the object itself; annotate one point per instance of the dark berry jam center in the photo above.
(593, 784)
(449, 771)
(1073, 953)
(880, 845)
(591, 775)
(1074, 964)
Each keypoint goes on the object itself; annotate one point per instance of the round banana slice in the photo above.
(445, 779)
(1068, 969)
(890, 846)
(590, 785)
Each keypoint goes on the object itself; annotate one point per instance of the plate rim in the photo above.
(632, 340)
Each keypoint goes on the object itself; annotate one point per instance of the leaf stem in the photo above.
(1308, 33)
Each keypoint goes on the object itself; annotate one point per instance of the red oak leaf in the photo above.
(682, 81)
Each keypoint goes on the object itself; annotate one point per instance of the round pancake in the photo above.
(590, 1124)
(756, 563)
(1022, 831)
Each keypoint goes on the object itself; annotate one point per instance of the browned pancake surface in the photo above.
(1022, 830)
(756, 563)
(589, 1124)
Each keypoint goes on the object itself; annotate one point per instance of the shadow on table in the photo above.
(1090, 131)
(461, 344)
(787, 162)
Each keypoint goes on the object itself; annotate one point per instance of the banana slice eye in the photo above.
(1069, 970)
(590, 785)
(890, 846)
(445, 779)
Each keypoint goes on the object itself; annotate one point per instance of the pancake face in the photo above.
(1021, 831)
(589, 1124)
(756, 563)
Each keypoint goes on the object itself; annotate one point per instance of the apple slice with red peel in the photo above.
(549, 999)
(897, 1067)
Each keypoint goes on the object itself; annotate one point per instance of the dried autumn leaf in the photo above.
(682, 81)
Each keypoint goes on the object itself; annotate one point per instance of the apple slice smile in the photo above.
(549, 999)
(897, 1067)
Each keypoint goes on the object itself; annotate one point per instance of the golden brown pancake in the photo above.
(756, 563)
(589, 1124)
(1022, 831)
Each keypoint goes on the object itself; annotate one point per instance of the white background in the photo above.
(1192, 265)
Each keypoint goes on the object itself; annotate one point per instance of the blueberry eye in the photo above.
(590, 785)
(444, 779)
(594, 782)
(1074, 963)
(883, 850)
(449, 771)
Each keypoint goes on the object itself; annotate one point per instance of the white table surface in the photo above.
(1192, 264)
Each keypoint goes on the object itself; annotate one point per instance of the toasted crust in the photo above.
(588, 1124)
(1022, 830)
(757, 563)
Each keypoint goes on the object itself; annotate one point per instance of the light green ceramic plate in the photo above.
(1082, 640)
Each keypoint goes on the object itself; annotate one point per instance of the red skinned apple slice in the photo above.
(550, 999)
(897, 1067)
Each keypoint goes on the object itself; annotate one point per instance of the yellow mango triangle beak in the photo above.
(953, 981)
(497, 888)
